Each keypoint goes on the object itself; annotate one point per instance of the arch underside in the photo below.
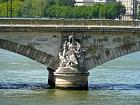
(104, 55)
(92, 60)
(27, 51)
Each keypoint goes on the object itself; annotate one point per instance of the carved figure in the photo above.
(72, 55)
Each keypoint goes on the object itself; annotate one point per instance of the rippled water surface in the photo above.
(24, 82)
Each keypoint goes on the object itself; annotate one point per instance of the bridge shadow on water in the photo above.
(105, 86)
(108, 86)
(30, 86)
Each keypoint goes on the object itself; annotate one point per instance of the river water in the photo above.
(24, 81)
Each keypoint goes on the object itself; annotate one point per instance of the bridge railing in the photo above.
(41, 21)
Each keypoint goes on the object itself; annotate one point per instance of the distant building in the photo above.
(90, 2)
(131, 8)
(137, 8)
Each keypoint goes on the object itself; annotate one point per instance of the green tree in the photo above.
(95, 11)
(61, 9)
(66, 2)
(15, 8)
(102, 11)
(32, 8)
(1, 1)
(62, 2)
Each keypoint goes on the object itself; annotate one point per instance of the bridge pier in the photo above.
(51, 78)
(65, 78)
(71, 73)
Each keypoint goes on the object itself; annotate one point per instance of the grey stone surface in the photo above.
(78, 55)
(44, 47)
(72, 56)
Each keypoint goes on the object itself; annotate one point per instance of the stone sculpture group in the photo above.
(72, 56)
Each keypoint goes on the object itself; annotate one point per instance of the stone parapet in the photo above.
(68, 28)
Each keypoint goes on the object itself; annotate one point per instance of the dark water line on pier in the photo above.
(105, 86)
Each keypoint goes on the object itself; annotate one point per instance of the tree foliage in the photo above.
(62, 2)
(15, 8)
(62, 9)
(103, 11)
(32, 8)
(66, 2)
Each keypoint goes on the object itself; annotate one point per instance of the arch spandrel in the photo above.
(27, 51)
(104, 55)
(49, 42)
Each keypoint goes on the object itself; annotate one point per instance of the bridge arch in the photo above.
(103, 55)
(27, 51)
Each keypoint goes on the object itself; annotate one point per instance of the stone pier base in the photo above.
(71, 80)
(51, 78)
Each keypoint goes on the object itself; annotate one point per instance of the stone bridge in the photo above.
(43, 47)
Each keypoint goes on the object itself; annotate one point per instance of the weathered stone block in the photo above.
(71, 80)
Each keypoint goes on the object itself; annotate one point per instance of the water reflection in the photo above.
(114, 86)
